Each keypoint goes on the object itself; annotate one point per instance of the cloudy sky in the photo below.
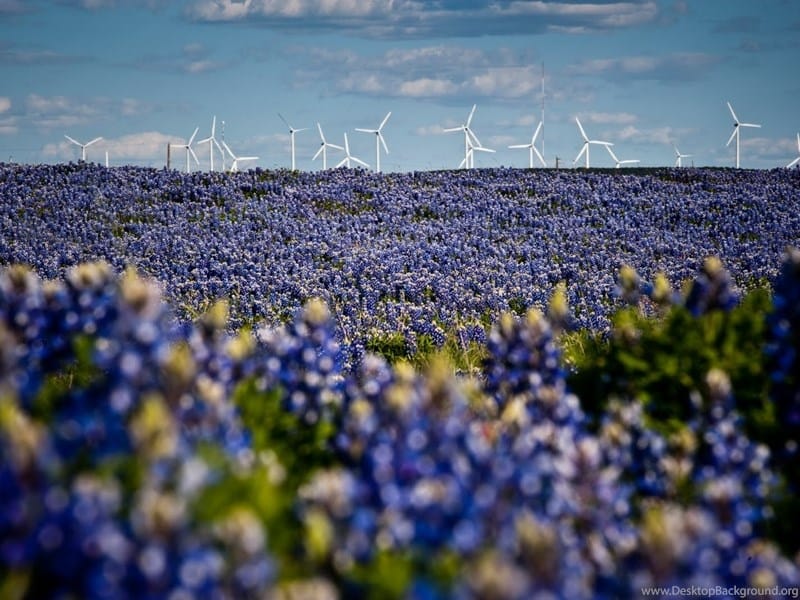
(643, 74)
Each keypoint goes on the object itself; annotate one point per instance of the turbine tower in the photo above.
(796, 160)
(469, 137)
(468, 162)
(736, 127)
(679, 156)
(212, 141)
(586, 143)
(83, 146)
(189, 151)
(619, 162)
(292, 131)
(236, 159)
(323, 148)
(379, 141)
(532, 149)
(348, 157)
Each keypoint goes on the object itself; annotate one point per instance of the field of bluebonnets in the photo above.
(481, 384)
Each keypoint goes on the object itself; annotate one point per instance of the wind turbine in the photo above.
(736, 127)
(796, 160)
(469, 137)
(348, 157)
(323, 148)
(83, 146)
(586, 143)
(236, 159)
(212, 141)
(292, 131)
(679, 156)
(532, 147)
(188, 147)
(619, 162)
(378, 141)
(469, 160)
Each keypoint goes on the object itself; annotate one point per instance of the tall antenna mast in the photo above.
(542, 108)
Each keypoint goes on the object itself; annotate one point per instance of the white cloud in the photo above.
(414, 18)
(50, 112)
(426, 87)
(605, 118)
(425, 130)
(509, 82)
(670, 67)
(658, 135)
(5, 104)
(148, 147)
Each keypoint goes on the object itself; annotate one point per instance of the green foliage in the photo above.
(300, 447)
(663, 360)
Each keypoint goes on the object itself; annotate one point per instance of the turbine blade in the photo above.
(73, 141)
(321, 148)
(730, 139)
(733, 114)
(359, 161)
(536, 133)
(471, 134)
(383, 142)
(749, 125)
(471, 114)
(204, 141)
(321, 135)
(520, 146)
(97, 139)
(611, 152)
(334, 146)
(285, 121)
(191, 139)
(583, 133)
(213, 125)
(577, 158)
(194, 156)
(793, 163)
(366, 130)
(463, 161)
(536, 151)
(228, 148)
(386, 118)
(449, 129)
(341, 163)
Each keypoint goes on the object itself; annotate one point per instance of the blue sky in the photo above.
(643, 74)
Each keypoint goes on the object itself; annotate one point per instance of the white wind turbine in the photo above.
(532, 147)
(379, 141)
(679, 156)
(468, 161)
(323, 148)
(188, 147)
(292, 131)
(736, 127)
(796, 160)
(83, 146)
(469, 138)
(212, 141)
(348, 157)
(586, 143)
(619, 162)
(236, 159)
